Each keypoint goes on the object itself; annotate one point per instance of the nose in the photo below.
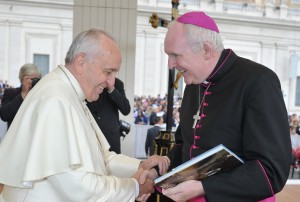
(171, 63)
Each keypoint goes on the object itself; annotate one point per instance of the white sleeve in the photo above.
(82, 186)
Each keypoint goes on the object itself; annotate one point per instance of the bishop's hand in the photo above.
(185, 191)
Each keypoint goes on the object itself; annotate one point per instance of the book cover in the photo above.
(216, 160)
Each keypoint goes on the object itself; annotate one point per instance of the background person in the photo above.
(54, 149)
(152, 133)
(106, 112)
(295, 141)
(152, 116)
(241, 106)
(141, 118)
(13, 97)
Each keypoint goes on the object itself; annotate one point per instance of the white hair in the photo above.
(86, 43)
(197, 36)
(28, 69)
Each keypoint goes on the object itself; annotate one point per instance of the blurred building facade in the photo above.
(35, 31)
(266, 31)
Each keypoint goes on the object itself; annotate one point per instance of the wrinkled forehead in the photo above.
(110, 64)
(175, 28)
(108, 46)
(175, 36)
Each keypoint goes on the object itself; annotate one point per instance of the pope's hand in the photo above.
(146, 183)
(163, 163)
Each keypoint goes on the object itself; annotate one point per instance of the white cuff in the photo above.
(110, 91)
(137, 187)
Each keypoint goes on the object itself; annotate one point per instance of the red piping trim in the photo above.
(266, 176)
(230, 51)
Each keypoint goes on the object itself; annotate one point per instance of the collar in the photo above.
(223, 66)
(74, 83)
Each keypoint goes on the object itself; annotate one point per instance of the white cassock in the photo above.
(54, 151)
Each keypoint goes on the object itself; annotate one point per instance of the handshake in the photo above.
(147, 173)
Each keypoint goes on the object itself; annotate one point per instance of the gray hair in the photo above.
(86, 43)
(28, 69)
(197, 36)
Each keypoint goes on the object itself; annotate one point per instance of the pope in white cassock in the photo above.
(54, 150)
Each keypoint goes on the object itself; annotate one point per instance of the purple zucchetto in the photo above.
(199, 19)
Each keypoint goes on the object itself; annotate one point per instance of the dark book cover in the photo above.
(216, 160)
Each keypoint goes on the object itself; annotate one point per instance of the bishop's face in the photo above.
(182, 57)
(101, 70)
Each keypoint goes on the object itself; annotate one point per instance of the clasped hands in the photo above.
(146, 174)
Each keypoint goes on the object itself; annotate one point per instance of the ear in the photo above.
(79, 62)
(207, 50)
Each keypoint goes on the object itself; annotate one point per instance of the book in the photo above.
(216, 160)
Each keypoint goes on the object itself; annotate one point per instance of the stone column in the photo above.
(117, 17)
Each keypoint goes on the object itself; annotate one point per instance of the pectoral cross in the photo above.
(196, 118)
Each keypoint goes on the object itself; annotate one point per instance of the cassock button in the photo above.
(197, 137)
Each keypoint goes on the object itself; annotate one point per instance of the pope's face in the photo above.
(182, 57)
(101, 70)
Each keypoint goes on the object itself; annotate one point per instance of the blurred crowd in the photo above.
(147, 108)
(3, 86)
(294, 121)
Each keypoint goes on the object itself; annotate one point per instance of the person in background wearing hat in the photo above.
(241, 106)
(13, 97)
(153, 132)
